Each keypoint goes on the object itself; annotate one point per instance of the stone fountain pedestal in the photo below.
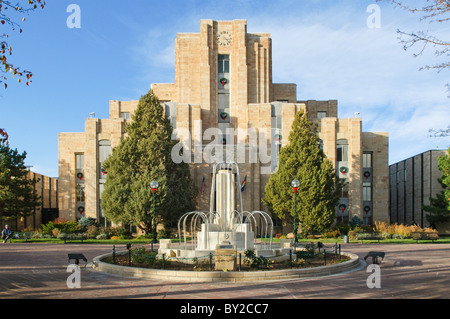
(210, 236)
(225, 257)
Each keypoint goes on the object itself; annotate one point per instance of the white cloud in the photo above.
(332, 54)
(367, 71)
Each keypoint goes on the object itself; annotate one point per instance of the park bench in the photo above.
(424, 236)
(23, 235)
(76, 258)
(369, 236)
(67, 237)
(375, 255)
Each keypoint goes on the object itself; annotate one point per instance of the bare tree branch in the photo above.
(7, 10)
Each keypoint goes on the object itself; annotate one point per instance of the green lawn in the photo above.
(441, 240)
(88, 241)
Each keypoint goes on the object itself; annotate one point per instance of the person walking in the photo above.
(6, 233)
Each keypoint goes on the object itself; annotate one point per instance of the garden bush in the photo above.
(141, 255)
(86, 222)
(102, 236)
(255, 261)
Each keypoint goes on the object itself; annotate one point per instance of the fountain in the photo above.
(227, 233)
(224, 226)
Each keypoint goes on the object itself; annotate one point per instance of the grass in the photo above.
(441, 240)
(87, 241)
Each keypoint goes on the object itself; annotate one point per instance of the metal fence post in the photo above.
(240, 260)
(210, 261)
(114, 254)
(290, 257)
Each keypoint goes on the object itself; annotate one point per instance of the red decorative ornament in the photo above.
(223, 81)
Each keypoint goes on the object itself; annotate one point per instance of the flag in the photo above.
(243, 183)
(203, 185)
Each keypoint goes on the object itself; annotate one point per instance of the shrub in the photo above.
(355, 222)
(60, 224)
(115, 238)
(102, 236)
(85, 222)
(397, 231)
(92, 231)
(352, 235)
(123, 233)
(56, 232)
(255, 261)
(343, 228)
(141, 255)
(332, 234)
(48, 228)
(68, 227)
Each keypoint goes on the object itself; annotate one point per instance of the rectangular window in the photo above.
(80, 193)
(321, 114)
(223, 99)
(79, 161)
(276, 137)
(342, 151)
(125, 115)
(367, 160)
(367, 192)
(224, 63)
(339, 154)
(345, 191)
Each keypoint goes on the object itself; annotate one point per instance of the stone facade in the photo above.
(47, 189)
(223, 79)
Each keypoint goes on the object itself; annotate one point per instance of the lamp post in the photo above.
(295, 184)
(154, 185)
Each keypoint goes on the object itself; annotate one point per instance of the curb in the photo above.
(219, 276)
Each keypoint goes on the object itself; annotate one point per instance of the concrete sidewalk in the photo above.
(36, 270)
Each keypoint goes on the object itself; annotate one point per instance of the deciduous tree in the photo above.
(10, 12)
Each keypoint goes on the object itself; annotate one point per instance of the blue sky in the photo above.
(324, 46)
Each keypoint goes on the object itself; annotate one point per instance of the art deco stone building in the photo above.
(223, 79)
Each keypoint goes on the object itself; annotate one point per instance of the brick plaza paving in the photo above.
(39, 271)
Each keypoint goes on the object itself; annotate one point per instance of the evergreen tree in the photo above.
(145, 155)
(319, 189)
(17, 196)
(439, 207)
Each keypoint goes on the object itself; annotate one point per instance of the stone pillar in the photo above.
(225, 199)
